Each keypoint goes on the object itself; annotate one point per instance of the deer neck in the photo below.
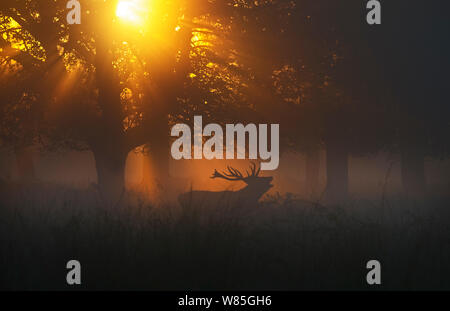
(254, 192)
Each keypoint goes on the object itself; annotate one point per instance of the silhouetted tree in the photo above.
(412, 48)
(314, 74)
(110, 88)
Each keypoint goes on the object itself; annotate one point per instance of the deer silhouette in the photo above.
(247, 196)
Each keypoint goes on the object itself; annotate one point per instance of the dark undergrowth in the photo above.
(283, 244)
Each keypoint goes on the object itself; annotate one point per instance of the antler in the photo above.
(234, 174)
(254, 172)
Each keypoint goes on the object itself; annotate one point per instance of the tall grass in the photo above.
(284, 243)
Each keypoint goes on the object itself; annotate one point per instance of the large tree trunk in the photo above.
(110, 168)
(25, 165)
(147, 170)
(413, 172)
(156, 165)
(412, 151)
(160, 154)
(337, 171)
(108, 140)
(312, 172)
(157, 158)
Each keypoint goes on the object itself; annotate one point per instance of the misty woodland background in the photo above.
(85, 167)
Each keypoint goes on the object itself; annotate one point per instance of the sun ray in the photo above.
(133, 12)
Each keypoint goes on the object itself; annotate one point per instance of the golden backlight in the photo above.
(133, 12)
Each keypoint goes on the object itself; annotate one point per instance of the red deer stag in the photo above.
(247, 196)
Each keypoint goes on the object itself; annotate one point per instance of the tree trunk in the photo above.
(147, 170)
(108, 141)
(110, 168)
(413, 172)
(157, 158)
(337, 171)
(312, 172)
(160, 155)
(412, 151)
(156, 165)
(25, 165)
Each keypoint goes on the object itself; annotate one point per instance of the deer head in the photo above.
(256, 185)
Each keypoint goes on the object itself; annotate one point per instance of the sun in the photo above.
(133, 11)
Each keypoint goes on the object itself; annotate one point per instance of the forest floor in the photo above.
(282, 244)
